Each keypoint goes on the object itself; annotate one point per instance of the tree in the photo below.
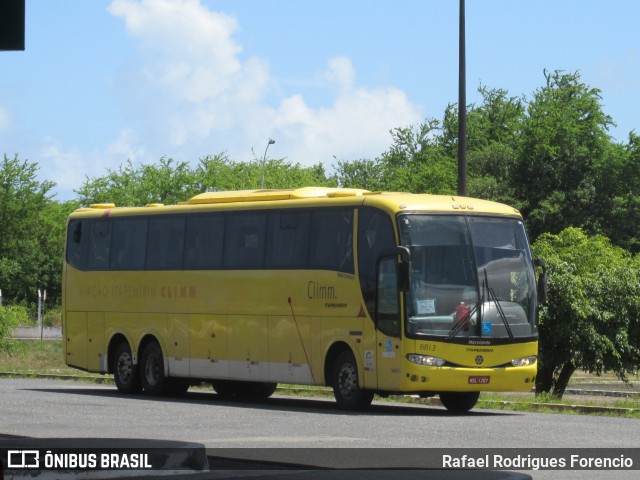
(415, 162)
(30, 243)
(170, 182)
(564, 139)
(218, 172)
(366, 174)
(167, 182)
(592, 317)
(618, 187)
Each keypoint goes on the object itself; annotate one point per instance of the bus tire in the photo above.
(459, 402)
(125, 373)
(346, 385)
(256, 391)
(152, 370)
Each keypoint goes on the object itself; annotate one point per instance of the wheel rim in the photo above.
(347, 380)
(152, 369)
(125, 367)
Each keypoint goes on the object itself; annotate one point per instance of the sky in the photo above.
(103, 82)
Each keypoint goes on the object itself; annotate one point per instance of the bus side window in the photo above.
(287, 239)
(129, 244)
(165, 242)
(77, 243)
(332, 240)
(244, 242)
(99, 245)
(204, 242)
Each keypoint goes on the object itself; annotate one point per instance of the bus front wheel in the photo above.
(152, 369)
(459, 402)
(346, 385)
(125, 374)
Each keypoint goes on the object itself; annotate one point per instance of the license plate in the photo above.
(479, 380)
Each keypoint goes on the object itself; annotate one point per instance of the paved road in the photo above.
(47, 409)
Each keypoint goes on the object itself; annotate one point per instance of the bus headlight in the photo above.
(524, 361)
(425, 360)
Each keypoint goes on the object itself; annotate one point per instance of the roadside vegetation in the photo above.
(549, 155)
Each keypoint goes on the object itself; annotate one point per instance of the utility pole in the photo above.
(462, 108)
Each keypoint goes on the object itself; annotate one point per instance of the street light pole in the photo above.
(462, 108)
(264, 158)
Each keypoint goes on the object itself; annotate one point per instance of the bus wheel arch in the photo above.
(330, 358)
(342, 373)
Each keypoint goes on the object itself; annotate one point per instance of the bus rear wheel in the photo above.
(346, 386)
(125, 373)
(459, 402)
(152, 369)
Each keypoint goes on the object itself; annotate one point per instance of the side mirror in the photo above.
(542, 280)
(404, 267)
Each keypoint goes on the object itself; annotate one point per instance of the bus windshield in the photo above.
(472, 277)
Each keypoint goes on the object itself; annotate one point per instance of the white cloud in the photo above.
(127, 147)
(357, 125)
(66, 168)
(341, 72)
(191, 87)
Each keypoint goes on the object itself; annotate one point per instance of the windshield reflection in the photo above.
(472, 277)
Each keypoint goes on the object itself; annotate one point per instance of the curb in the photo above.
(602, 393)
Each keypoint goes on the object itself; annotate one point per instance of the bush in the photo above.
(52, 317)
(11, 316)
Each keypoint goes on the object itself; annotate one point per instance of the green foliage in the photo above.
(366, 174)
(170, 182)
(11, 316)
(167, 182)
(592, 317)
(31, 233)
(564, 140)
(220, 173)
(52, 317)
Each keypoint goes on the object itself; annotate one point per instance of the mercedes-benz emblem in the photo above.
(479, 360)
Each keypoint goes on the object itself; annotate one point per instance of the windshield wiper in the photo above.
(493, 297)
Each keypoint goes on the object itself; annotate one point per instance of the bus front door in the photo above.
(388, 326)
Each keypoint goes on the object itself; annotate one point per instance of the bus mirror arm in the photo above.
(404, 269)
(542, 280)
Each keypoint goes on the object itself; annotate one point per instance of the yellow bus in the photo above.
(366, 292)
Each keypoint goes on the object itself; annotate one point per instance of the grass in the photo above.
(35, 357)
(38, 357)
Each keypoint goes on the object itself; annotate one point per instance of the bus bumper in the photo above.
(459, 379)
